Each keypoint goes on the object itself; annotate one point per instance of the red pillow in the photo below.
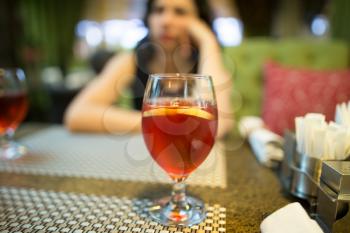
(291, 92)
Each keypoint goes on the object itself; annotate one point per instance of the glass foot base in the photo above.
(166, 213)
(12, 150)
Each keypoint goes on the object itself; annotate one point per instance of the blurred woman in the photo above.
(180, 40)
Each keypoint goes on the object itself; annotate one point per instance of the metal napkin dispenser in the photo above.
(306, 176)
(333, 197)
(324, 184)
(300, 174)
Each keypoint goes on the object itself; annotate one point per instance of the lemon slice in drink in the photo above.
(173, 111)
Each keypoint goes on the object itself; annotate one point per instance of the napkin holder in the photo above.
(305, 177)
(333, 197)
(300, 174)
(289, 149)
(325, 185)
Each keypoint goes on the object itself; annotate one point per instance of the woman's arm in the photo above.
(211, 63)
(93, 110)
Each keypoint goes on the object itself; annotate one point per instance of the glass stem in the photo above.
(178, 195)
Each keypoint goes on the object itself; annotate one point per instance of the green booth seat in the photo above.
(246, 61)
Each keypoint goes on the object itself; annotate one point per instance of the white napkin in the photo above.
(342, 114)
(342, 117)
(248, 124)
(266, 145)
(319, 139)
(290, 219)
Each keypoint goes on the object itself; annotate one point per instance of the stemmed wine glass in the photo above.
(179, 124)
(13, 108)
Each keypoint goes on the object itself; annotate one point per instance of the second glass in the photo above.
(13, 108)
(179, 124)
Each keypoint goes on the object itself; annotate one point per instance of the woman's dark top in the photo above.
(144, 53)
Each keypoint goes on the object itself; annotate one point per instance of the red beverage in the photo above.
(13, 108)
(179, 137)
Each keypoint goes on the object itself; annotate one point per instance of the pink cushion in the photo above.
(291, 92)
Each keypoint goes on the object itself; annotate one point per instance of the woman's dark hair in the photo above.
(202, 6)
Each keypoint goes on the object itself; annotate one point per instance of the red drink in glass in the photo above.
(13, 108)
(179, 137)
(179, 124)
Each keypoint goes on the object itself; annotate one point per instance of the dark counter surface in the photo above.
(253, 191)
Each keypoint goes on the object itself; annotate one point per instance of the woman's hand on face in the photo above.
(196, 33)
(199, 32)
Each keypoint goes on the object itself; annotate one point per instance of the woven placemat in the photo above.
(57, 152)
(29, 210)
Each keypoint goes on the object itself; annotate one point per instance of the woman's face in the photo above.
(167, 21)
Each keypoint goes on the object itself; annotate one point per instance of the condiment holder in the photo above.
(325, 185)
(306, 176)
(315, 169)
(333, 197)
(300, 173)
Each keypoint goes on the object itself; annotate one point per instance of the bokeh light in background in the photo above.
(320, 25)
(90, 31)
(114, 33)
(133, 33)
(229, 31)
(125, 34)
(94, 35)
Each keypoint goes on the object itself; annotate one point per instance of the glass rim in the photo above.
(180, 76)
